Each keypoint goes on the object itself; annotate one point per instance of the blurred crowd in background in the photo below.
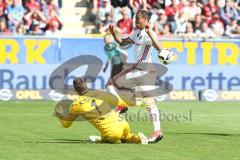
(168, 18)
(32, 17)
(172, 18)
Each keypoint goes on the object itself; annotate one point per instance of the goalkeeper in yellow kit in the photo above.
(96, 107)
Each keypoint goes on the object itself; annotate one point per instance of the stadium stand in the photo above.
(169, 18)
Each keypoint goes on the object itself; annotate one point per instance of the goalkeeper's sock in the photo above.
(95, 139)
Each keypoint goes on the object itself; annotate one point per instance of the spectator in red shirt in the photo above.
(32, 5)
(53, 17)
(210, 7)
(172, 9)
(155, 4)
(3, 7)
(170, 12)
(208, 15)
(53, 29)
(125, 24)
(217, 25)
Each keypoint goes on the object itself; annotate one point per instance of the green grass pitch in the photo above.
(199, 131)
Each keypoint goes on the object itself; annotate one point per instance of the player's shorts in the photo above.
(117, 68)
(116, 131)
(142, 82)
(120, 131)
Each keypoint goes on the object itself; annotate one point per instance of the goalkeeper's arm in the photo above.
(65, 121)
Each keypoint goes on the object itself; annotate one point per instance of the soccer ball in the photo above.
(166, 56)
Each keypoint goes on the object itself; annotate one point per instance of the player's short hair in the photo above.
(144, 14)
(80, 85)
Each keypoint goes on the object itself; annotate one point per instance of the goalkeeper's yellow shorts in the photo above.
(119, 131)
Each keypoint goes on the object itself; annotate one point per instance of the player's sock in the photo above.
(155, 118)
(157, 134)
(112, 90)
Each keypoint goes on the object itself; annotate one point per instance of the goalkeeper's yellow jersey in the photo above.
(98, 108)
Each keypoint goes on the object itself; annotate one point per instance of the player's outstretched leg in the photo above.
(121, 108)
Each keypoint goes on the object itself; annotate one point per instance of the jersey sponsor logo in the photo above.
(85, 100)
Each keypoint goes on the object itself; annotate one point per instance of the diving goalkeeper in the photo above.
(97, 107)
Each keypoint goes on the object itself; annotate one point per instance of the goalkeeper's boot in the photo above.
(156, 137)
(94, 139)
